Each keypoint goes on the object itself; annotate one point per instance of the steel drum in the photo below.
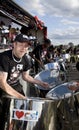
(31, 114)
(53, 77)
(53, 65)
(67, 107)
(61, 62)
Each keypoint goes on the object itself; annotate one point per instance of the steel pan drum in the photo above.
(67, 107)
(31, 114)
(53, 65)
(53, 77)
(62, 64)
(60, 92)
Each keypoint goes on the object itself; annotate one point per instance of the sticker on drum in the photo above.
(25, 115)
(60, 92)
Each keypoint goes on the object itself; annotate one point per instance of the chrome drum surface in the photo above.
(53, 77)
(53, 65)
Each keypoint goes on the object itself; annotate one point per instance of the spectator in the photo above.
(39, 54)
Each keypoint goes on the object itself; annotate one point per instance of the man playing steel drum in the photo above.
(14, 63)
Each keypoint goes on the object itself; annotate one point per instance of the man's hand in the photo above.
(45, 85)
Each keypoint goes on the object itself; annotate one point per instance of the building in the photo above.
(11, 13)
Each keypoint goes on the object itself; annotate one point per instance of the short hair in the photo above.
(47, 41)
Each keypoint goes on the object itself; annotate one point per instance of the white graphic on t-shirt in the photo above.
(15, 73)
(19, 67)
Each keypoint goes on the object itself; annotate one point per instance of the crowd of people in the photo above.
(48, 53)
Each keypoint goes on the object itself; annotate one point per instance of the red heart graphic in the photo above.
(19, 114)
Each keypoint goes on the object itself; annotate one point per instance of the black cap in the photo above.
(22, 38)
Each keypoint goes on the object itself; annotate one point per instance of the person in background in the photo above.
(39, 53)
(50, 54)
(75, 86)
(14, 63)
(12, 34)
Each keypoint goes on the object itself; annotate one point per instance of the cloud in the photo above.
(69, 22)
(69, 33)
(70, 30)
(34, 6)
(62, 7)
(53, 7)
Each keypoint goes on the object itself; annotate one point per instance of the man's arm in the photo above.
(30, 79)
(7, 88)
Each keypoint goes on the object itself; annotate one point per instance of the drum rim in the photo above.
(38, 99)
(62, 97)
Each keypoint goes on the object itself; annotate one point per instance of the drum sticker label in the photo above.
(26, 115)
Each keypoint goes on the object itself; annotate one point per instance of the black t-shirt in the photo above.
(38, 51)
(14, 69)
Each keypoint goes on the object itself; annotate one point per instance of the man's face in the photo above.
(20, 48)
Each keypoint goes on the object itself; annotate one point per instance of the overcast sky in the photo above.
(60, 16)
